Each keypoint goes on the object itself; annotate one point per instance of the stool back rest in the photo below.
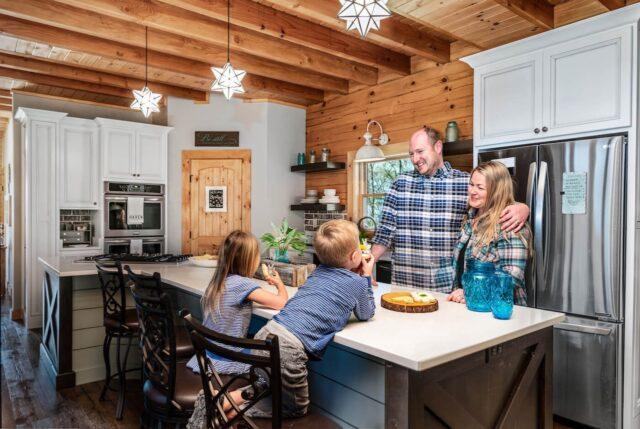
(264, 360)
(153, 282)
(114, 299)
(157, 339)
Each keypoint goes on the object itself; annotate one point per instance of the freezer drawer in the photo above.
(587, 370)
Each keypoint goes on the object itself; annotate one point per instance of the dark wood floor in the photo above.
(29, 399)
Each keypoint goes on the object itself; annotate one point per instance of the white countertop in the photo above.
(415, 341)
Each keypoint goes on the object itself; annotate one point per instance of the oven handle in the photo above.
(110, 198)
(110, 241)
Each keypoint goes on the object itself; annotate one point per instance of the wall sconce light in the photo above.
(369, 152)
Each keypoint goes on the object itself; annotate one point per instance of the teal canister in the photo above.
(478, 280)
(452, 132)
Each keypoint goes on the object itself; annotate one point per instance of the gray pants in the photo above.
(293, 365)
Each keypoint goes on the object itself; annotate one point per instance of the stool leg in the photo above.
(106, 348)
(123, 382)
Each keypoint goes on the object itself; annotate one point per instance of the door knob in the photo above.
(536, 130)
(545, 129)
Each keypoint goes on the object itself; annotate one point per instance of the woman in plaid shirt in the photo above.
(481, 238)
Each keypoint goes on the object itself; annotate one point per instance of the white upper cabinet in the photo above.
(133, 152)
(118, 153)
(79, 169)
(588, 83)
(509, 99)
(151, 156)
(560, 83)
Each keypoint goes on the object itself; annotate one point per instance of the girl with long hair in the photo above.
(227, 301)
(481, 238)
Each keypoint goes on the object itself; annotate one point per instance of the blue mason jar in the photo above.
(502, 295)
(477, 281)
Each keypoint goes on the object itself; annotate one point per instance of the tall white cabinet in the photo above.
(39, 133)
(572, 82)
(65, 162)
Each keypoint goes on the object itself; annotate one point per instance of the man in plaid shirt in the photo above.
(422, 216)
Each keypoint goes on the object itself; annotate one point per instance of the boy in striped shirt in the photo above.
(341, 285)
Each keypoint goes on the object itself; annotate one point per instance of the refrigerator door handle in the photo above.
(538, 221)
(531, 183)
(583, 328)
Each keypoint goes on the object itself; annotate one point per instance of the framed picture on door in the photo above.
(215, 199)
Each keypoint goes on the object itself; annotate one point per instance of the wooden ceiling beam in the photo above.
(538, 12)
(95, 34)
(613, 4)
(6, 108)
(266, 20)
(44, 79)
(392, 34)
(42, 91)
(54, 68)
(188, 24)
(5, 93)
(263, 86)
(5, 100)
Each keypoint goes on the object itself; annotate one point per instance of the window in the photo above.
(376, 179)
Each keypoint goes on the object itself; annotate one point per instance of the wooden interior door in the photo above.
(204, 231)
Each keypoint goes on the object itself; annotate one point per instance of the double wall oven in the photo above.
(129, 232)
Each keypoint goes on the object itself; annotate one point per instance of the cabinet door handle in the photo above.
(95, 204)
(536, 130)
(545, 129)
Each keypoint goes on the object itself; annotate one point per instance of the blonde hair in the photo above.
(335, 241)
(239, 254)
(499, 187)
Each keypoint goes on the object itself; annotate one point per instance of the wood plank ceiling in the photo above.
(294, 51)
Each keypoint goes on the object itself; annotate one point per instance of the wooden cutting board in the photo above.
(417, 307)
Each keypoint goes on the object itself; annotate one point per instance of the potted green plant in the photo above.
(284, 238)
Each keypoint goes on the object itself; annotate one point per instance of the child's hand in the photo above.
(274, 278)
(367, 265)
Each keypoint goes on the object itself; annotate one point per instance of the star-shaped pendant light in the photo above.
(228, 80)
(363, 15)
(145, 100)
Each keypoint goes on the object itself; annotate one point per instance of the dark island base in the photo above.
(506, 386)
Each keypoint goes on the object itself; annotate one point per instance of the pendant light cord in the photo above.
(146, 54)
(228, 29)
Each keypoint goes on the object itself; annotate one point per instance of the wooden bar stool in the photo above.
(217, 387)
(153, 283)
(170, 387)
(119, 323)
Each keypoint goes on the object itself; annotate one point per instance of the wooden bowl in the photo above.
(416, 307)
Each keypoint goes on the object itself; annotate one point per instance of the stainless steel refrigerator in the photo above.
(576, 192)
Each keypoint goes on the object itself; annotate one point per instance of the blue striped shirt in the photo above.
(231, 317)
(421, 219)
(323, 305)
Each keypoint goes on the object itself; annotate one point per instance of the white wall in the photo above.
(274, 134)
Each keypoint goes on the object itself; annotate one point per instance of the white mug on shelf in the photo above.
(329, 192)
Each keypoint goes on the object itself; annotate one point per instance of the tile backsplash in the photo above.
(313, 220)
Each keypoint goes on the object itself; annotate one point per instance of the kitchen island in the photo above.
(451, 367)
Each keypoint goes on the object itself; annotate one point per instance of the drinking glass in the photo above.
(502, 295)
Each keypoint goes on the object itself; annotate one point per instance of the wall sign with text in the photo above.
(218, 138)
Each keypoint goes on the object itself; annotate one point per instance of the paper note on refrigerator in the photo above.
(574, 193)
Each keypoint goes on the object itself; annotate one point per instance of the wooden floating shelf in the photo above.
(318, 207)
(319, 166)
(460, 147)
